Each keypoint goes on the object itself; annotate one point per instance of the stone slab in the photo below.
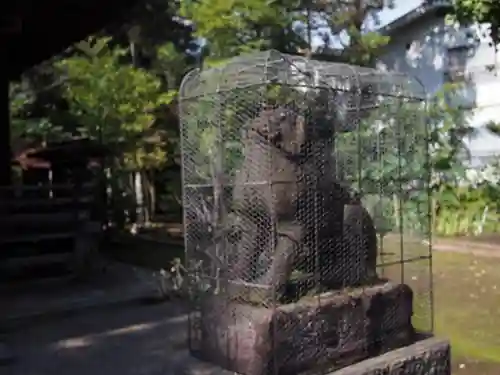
(429, 356)
(426, 357)
(333, 329)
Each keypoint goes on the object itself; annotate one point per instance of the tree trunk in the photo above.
(397, 209)
(146, 196)
(152, 194)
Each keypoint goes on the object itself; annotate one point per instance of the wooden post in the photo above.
(5, 146)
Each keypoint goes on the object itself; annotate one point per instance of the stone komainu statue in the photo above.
(302, 209)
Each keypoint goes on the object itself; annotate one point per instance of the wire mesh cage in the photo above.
(306, 213)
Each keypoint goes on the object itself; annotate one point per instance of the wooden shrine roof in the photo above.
(78, 150)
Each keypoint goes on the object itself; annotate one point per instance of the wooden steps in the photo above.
(35, 261)
(39, 229)
(36, 238)
(42, 204)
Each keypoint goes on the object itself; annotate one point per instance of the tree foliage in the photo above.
(348, 23)
(114, 102)
(27, 126)
(232, 27)
(480, 11)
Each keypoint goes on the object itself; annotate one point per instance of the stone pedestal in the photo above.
(326, 332)
(429, 356)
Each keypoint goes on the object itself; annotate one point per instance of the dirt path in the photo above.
(464, 246)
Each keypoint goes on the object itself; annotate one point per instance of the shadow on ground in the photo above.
(126, 341)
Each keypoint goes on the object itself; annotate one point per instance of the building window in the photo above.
(456, 70)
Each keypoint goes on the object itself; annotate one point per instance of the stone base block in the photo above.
(328, 331)
(426, 357)
(429, 356)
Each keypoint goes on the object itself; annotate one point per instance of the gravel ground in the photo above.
(138, 340)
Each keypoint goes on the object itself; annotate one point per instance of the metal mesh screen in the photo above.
(307, 213)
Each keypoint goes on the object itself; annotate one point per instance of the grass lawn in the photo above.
(466, 303)
(467, 309)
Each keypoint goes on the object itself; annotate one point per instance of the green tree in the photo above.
(162, 42)
(29, 125)
(399, 143)
(114, 102)
(352, 25)
(481, 11)
(118, 104)
(152, 24)
(232, 27)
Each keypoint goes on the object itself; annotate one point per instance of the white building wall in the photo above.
(421, 49)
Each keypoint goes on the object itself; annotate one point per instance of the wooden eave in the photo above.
(32, 31)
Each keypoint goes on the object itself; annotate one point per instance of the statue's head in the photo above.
(295, 126)
(281, 126)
